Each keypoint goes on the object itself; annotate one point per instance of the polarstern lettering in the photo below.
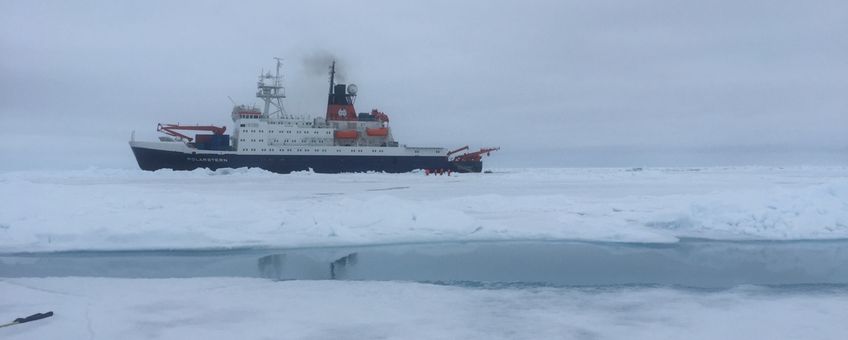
(207, 159)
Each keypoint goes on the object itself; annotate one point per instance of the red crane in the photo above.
(170, 129)
(475, 156)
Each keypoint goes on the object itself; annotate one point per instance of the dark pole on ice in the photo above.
(36, 316)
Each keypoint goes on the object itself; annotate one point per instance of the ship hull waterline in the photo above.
(153, 159)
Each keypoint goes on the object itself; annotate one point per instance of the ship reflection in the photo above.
(299, 267)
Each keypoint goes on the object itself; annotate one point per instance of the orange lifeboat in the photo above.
(346, 134)
(377, 132)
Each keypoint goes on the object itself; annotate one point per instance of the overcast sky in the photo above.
(551, 82)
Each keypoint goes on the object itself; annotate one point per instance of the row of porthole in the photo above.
(285, 141)
(275, 123)
(287, 131)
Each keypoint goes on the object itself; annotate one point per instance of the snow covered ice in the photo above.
(236, 308)
(123, 209)
(103, 209)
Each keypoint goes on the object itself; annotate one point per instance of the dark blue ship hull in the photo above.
(152, 159)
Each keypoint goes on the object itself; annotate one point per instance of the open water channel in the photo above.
(689, 263)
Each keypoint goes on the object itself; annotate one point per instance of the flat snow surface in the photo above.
(230, 308)
(127, 209)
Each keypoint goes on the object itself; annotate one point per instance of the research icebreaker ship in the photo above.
(341, 141)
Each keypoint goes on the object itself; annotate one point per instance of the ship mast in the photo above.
(270, 89)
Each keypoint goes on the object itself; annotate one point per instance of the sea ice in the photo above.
(130, 209)
(239, 308)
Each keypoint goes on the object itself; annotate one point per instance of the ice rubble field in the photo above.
(234, 308)
(130, 209)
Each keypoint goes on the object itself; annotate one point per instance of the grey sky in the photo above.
(547, 80)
